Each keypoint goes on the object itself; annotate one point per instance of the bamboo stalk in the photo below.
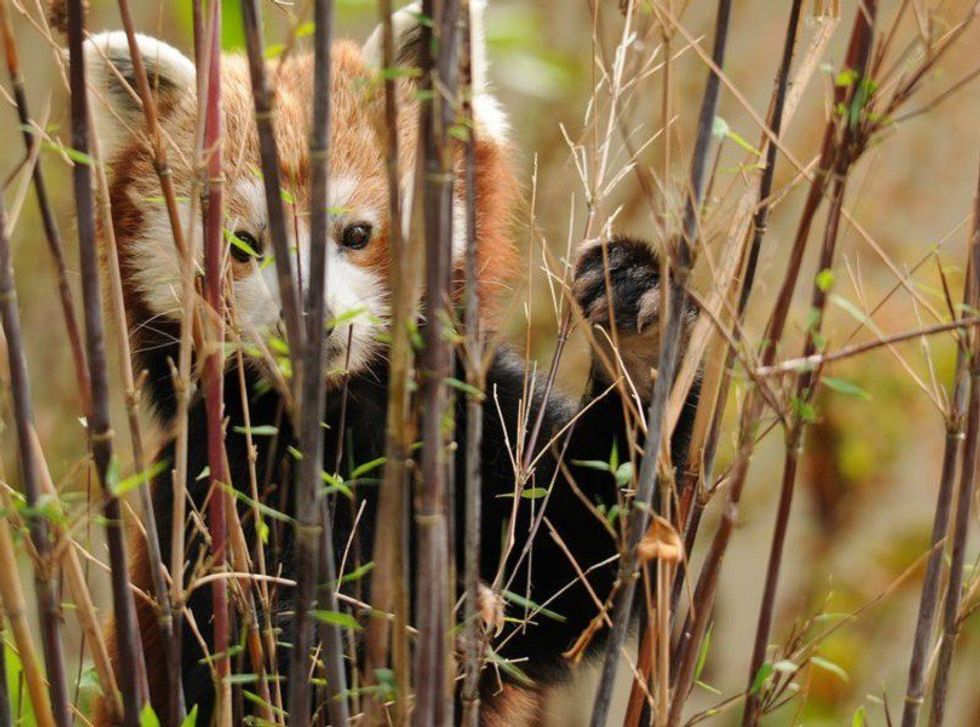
(686, 650)
(6, 719)
(51, 232)
(433, 703)
(314, 536)
(858, 60)
(84, 607)
(265, 115)
(132, 668)
(964, 500)
(681, 259)
(158, 570)
(929, 597)
(474, 636)
(213, 374)
(389, 585)
(15, 609)
(45, 571)
(158, 145)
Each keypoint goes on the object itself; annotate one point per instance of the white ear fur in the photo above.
(490, 117)
(109, 72)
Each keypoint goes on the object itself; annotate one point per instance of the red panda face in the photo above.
(358, 266)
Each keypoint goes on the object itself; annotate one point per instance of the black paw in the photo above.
(633, 277)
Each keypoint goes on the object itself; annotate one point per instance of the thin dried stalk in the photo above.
(16, 612)
(132, 668)
(389, 585)
(680, 262)
(265, 115)
(51, 232)
(158, 145)
(968, 476)
(314, 537)
(433, 703)
(213, 375)
(473, 632)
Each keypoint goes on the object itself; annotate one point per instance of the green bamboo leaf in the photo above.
(846, 387)
(337, 618)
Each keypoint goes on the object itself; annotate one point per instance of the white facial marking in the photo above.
(356, 295)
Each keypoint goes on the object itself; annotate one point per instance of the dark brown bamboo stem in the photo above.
(265, 116)
(929, 599)
(686, 650)
(681, 260)
(314, 537)
(859, 62)
(964, 500)
(389, 587)
(51, 232)
(132, 669)
(45, 572)
(473, 626)
(213, 375)
(5, 716)
(433, 703)
(702, 466)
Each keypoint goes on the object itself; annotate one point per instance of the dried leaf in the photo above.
(662, 542)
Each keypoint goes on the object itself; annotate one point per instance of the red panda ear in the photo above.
(407, 26)
(112, 85)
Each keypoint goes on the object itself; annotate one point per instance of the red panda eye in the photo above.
(356, 236)
(245, 246)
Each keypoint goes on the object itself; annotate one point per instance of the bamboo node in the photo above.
(106, 436)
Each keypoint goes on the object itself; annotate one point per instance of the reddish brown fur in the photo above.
(358, 126)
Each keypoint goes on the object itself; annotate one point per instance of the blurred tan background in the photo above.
(864, 507)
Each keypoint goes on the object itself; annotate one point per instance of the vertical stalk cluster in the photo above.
(680, 263)
(433, 692)
(390, 585)
(314, 538)
(964, 500)
(45, 571)
(213, 374)
(132, 669)
(846, 152)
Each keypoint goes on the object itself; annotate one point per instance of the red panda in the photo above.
(358, 279)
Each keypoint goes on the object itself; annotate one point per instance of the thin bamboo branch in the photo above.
(6, 718)
(132, 669)
(213, 375)
(964, 500)
(265, 116)
(314, 555)
(440, 68)
(680, 261)
(158, 145)
(815, 360)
